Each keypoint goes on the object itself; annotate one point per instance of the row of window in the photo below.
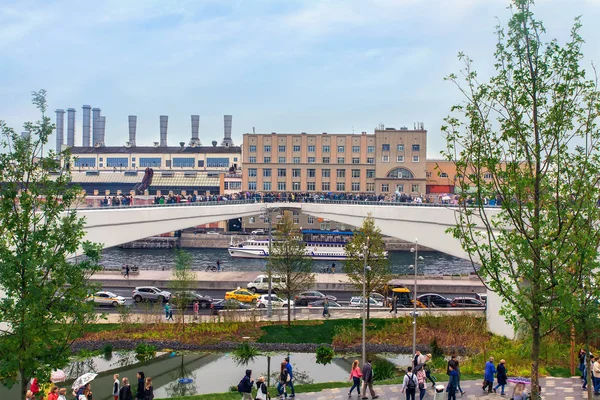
(310, 173)
(155, 162)
(327, 148)
(310, 160)
(326, 186)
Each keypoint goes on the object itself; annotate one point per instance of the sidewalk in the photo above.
(552, 389)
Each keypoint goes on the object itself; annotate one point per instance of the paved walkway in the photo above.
(552, 389)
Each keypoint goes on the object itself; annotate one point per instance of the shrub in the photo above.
(107, 351)
(436, 350)
(244, 353)
(324, 355)
(383, 369)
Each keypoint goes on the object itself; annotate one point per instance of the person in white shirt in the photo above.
(410, 384)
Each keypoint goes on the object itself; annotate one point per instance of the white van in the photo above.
(261, 283)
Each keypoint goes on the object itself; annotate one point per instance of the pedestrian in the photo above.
(116, 386)
(261, 389)
(410, 384)
(168, 311)
(428, 375)
(452, 383)
(326, 309)
(519, 393)
(333, 268)
(393, 305)
(148, 389)
(457, 369)
(596, 375)
(34, 387)
(245, 385)
(62, 394)
(218, 266)
(86, 394)
(283, 380)
(53, 395)
(125, 391)
(367, 371)
(582, 357)
(196, 309)
(421, 379)
(419, 359)
(290, 381)
(140, 386)
(501, 377)
(488, 377)
(355, 374)
(126, 270)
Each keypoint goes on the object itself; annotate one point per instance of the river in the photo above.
(433, 262)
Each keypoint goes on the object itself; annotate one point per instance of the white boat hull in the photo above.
(240, 252)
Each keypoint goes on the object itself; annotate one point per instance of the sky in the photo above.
(288, 66)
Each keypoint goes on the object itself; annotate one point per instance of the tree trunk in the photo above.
(368, 309)
(289, 312)
(23, 382)
(535, 363)
(588, 370)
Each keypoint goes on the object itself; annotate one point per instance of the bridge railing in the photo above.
(186, 204)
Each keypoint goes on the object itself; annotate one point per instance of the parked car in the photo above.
(380, 298)
(243, 295)
(319, 304)
(263, 301)
(308, 297)
(229, 304)
(258, 232)
(466, 302)
(190, 297)
(261, 283)
(107, 299)
(212, 233)
(482, 297)
(434, 300)
(358, 301)
(150, 293)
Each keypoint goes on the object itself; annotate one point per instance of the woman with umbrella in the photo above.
(81, 386)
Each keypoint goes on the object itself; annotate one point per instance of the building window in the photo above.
(415, 158)
(280, 185)
(251, 185)
(252, 160)
(356, 173)
(267, 219)
(324, 226)
(281, 149)
(325, 186)
(296, 148)
(416, 147)
(445, 175)
(281, 172)
(85, 162)
(385, 147)
(385, 187)
(155, 162)
(325, 160)
(266, 160)
(400, 188)
(296, 160)
(370, 149)
(370, 187)
(281, 160)
(370, 160)
(101, 159)
(428, 174)
(295, 185)
(267, 148)
(296, 173)
(400, 159)
(117, 162)
(311, 160)
(355, 160)
(266, 186)
(311, 220)
(400, 147)
(355, 186)
(234, 159)
(233, 186)
(132, 159)
(341, 160)
(296, 219)
(400, 173)
(311, 172)
(217, 162)
(356, 149)
(311, 148)
(101, 165)
(188, 162)
(325, 173)
(485, 176)
(415, 188)
(267, 172)
(252, 149)
(370, 173)
(310, 186)
(325, 149)
(252, 172)
(341, 173)
(251, 220)
(341, 187)
(132, 165)
(341, 149)
(385, 158)
(201, 163)
(167, 163)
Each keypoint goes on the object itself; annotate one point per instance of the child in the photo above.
(62, 394)
(261, 389)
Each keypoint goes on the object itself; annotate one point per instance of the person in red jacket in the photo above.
(53, 395)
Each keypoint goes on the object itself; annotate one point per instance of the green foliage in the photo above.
(244, 353)
(383, 369)
(182, 279)
(367, 240)
(39, 230)
(144, 352)
(436, 350)
(107, 351)
(287, 258)
(324, 355)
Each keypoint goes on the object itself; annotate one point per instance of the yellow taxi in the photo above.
(243, 295)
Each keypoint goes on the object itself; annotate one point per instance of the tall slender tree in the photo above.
(289, 261)
(367, 241)
(183, 278)
(528, 138)
(44, 305)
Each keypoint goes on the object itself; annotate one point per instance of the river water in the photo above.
(114, 258)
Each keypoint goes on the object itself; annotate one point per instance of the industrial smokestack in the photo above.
(195, 129)
(102, 129)
(60, 129)
(70, 127)
(132, 129)
(227, 131)
(95, 131)
(86, 126)
(164, 123)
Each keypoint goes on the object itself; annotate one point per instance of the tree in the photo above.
(368, 237)
(182, 279)
(288, 260)
(44, 304)
(528, 139)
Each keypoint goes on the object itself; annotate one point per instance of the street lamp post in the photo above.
(267, 212)
(364, 303)
(414, 313)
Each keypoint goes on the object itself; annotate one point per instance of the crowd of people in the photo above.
(115, 201)
(285, 379)
(591, 363)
